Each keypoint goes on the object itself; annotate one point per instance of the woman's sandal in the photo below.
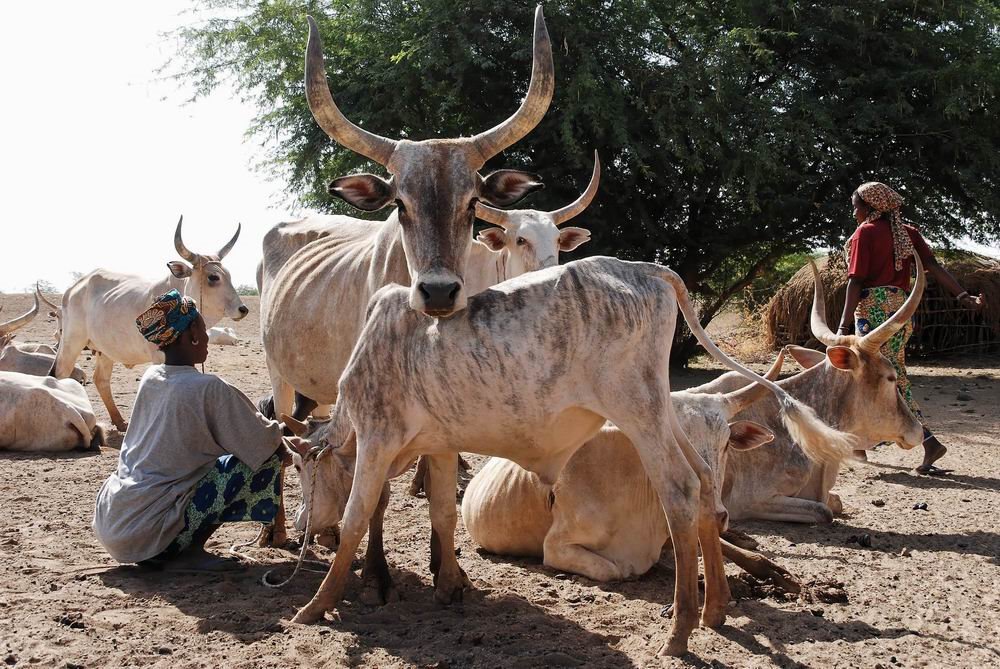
(932, 470)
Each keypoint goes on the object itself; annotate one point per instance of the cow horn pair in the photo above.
(380, 149)
(873, 341)
(17, 323)
(559, 216)
(195, 258)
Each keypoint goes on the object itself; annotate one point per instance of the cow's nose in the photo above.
(439, 297)
(244, 310)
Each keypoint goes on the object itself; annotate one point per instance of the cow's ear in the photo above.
(506, 187)
(843, 357)
(179, 269)
(495, 238)
(570, 238)
(297, 427)
(806, 357)
(746, 434)
(364, 191)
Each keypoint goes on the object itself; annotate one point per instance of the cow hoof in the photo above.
(375, 594)
(307, 616)
(674, 648)
(713, 619)
(271, 537)
(836, 506)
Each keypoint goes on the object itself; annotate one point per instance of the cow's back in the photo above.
(313, 310)
(506, 509)
(43, 413)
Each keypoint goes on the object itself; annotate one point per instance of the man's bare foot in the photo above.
(934, 450)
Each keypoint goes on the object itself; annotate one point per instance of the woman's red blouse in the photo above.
(871, 255)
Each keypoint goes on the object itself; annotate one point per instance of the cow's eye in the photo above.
(892, 378)
(213, 278)
(521, 241)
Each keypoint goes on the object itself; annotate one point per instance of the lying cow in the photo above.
(29, 358)
(39, 413)
(220, 336)
(851, 386)
(602, 518)
(529, 371)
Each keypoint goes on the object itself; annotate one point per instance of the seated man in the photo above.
(196, 454)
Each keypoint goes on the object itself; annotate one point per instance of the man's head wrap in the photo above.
(884, 200)
(169, 316)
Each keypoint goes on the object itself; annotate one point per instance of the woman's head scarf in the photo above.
(884, 200)
(169, 316)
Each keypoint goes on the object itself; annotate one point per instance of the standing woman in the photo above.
(879, 258)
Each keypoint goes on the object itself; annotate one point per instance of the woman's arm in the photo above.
(948, 282)
(854, 286)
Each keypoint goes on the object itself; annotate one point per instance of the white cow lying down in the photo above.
(222, 336)
(603, 518)
(40, 413)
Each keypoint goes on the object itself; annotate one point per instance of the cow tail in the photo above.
(818, 440)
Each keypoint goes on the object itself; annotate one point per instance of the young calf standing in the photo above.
(529, 371)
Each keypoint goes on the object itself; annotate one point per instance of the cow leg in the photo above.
(303, 406)
(759, 566)
(442, 477)
(577, 559)
(375, 575)
(712, 520)
(71, 344)
(678, 488)
(791, 510)
(418, 483)
(103, 365)
(276, 534)
(371, 469)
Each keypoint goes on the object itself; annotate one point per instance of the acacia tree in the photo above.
(731, 133)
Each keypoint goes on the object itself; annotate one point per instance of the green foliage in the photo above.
(247, 290)
(732, 134)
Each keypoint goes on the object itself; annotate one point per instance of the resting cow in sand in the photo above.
(39, 413)
(529, 371)
(853, 386)
(603, 518)
(99, 312)
(29, 358)
(196, 455)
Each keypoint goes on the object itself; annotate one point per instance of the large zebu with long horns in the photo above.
(529, 371)
(100, 309)
(313, 303)
(852, 386)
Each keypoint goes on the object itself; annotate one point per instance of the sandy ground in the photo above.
(63, 603)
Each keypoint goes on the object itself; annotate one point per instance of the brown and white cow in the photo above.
(852, 387)
(29, 358)
(603, 518)
(39, 413)
(313, 302)
(100, 309)
(529, 371)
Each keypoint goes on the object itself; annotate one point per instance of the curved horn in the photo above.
(738, 400)
(493, 215)
(50, 305)
(535, 103)
(574, 209)
(182, 250)
(19, 322)
(229, 245)
(817, 321)
(329, 116)
(873, 341)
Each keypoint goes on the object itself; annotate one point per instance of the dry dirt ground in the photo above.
(64, 603)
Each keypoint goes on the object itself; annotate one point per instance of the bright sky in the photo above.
(98, 157)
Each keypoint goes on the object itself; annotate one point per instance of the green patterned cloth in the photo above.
(877, 305)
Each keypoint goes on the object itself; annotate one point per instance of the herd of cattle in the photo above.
(425, 342)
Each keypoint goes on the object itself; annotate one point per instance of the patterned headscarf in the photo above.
(884, 200)
(170, 315)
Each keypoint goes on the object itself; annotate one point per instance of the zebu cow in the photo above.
(529, 371)
(29, 358)
(39, 413)
(602, 518)
(851, 386)
(100, 309)
(220, 336)
(313, 302)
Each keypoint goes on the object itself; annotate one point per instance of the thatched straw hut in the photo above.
(941, 324)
